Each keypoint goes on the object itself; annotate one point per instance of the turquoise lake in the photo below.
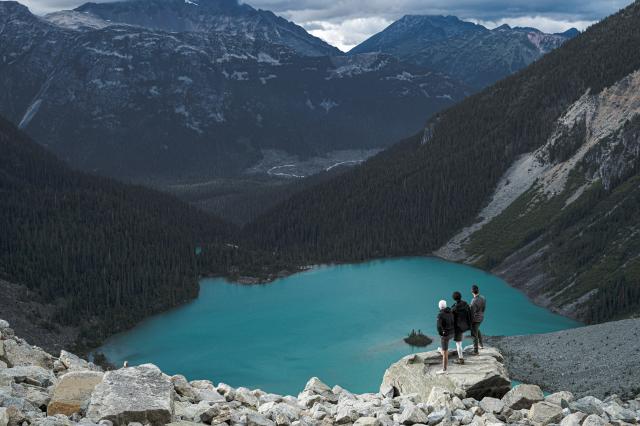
(342, 323)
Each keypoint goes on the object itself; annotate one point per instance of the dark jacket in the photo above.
(445, 322)
(462, 316)
(478, 306)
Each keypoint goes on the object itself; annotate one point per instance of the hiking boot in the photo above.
(460, 361)
(475, 352)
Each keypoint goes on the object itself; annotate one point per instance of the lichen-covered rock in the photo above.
(523, 397)
(73, 392)
(545, 413)
(480, 376)
(134, 394)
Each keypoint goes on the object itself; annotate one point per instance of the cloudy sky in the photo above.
(345, 23)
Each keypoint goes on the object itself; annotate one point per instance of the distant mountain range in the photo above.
(464, 50)
(168, 89)
(536, 178)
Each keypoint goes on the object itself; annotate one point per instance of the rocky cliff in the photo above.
(39, 389)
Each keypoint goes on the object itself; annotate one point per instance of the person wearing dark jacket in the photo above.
(462, 322)
(446, 331)
(478, 306)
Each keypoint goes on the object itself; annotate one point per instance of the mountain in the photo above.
(464, 50)
(229, 17)
(538, 175)
(91, 256)
(139, 103)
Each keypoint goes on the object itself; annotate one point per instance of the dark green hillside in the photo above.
(410, 199)
(105, 254)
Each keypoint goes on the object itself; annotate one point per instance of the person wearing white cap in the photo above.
(446, 330)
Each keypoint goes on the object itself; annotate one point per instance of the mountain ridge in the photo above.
(422, 191)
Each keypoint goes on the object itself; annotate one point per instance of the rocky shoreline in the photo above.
(597, 360)
(37, 388)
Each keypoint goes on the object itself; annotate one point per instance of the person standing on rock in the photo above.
(462, 322)
(478, 306)
(446, 330)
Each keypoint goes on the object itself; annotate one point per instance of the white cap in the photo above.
(442, 304)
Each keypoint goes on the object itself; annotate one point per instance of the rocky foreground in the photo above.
(37, 388)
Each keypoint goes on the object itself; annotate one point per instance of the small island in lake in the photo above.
(417, 339)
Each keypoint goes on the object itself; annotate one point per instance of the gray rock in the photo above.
(574, 419)
(280, 412)
(183, 388)
(209, 395)
(367, 421)
(3, 324)
(135, 394)
(523, 396)
(443, 398)
(464, 417)
(255, 419)
(545, 413)
(412, 414)
(470, 402)
(594, 420)
(32, 375)
(73, 362)
(73, 392)
(480, 376)
(588, 405)
(19, 353)
(616, 412)
(492, 405)
(35, 395)
(4, 416)
(437, 416)
(562, 398)
(246, 397)
(387, 391)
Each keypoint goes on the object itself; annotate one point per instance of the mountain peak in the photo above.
(230, 17)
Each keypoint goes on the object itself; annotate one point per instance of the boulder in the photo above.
(480, 376)
(588, 405)
(133, 394)
(443, 398)
(491, 405)
(183, 388)
(437, 416)
(412, 414)
(74, 363)
(562, 398)
(73, 392)
(617, 412)
(545, 413)
(32, 375)
(3, 324)
(523, 397)
(255, 419)
(246, 398)
(367, 421)
(594, 420)
(19, 353)
(35, 395)
(4, 416)
(574, 419)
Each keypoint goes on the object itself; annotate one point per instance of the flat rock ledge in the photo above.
(39, 389)
(480, 376)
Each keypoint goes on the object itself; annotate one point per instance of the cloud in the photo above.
(345, 23)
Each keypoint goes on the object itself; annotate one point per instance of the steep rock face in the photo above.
(580, 185)
(134, 102)
(480, 376)
(468, 51)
